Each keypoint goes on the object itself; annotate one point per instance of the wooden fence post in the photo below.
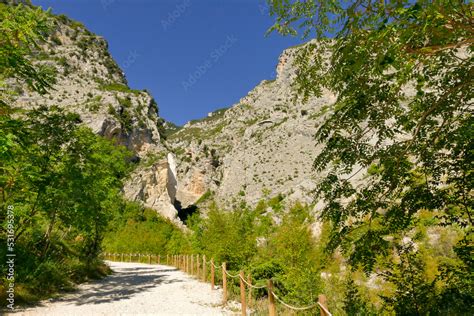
(192, 264)
(121, 255)
(149, 259)
(198, 267)
(271, 299)
(224, 283)
(242, 293)
(212, 274)
(204, 269)
(323, 301)
(249, 281)
(130, 257)
(167, 259)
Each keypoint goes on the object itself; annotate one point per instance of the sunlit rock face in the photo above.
(155, 186)
(90, 83)
(261, 146)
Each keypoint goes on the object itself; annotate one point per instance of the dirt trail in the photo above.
(136, 289)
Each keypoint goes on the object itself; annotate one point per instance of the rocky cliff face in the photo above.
(262, 146)
(90, 83)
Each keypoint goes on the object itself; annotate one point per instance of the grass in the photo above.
(196, 133)
(151, 158)
(118, 87)
(216, 115)
(56, 279)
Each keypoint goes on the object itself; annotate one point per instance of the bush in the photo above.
(140, 230)
(119, 88)
(55, 39)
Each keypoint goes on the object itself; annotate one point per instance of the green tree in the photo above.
(22, 30)
(414, 295)
(354, 303)
(402, 72)
(61, 178)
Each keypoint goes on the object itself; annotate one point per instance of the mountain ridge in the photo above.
(262, 146)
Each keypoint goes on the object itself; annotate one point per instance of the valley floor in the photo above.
(136, 289)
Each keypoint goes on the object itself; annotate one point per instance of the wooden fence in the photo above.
(199, 266)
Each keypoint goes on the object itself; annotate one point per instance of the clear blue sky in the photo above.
(194, 56)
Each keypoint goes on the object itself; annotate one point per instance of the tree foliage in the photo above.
(22, 30)
(402, 72)
(61, 179)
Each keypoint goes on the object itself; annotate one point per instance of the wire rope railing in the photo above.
(198, 265)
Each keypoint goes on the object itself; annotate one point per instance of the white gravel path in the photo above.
(136, 289)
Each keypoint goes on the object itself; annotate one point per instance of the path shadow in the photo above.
(123, 284)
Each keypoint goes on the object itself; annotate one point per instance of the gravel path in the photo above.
(136, 289)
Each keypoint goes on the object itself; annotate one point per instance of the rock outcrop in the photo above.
(90, 83)
(262, 146)
(155, 186)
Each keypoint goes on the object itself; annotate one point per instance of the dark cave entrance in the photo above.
(185, 212)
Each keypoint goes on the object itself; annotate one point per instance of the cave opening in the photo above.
(185, 212)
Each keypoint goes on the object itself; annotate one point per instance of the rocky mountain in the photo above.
(90, 83)
(263, 146)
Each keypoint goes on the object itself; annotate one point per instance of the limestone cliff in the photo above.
(263, 145)
(90, 83)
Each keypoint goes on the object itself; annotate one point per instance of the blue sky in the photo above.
(194, 56)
